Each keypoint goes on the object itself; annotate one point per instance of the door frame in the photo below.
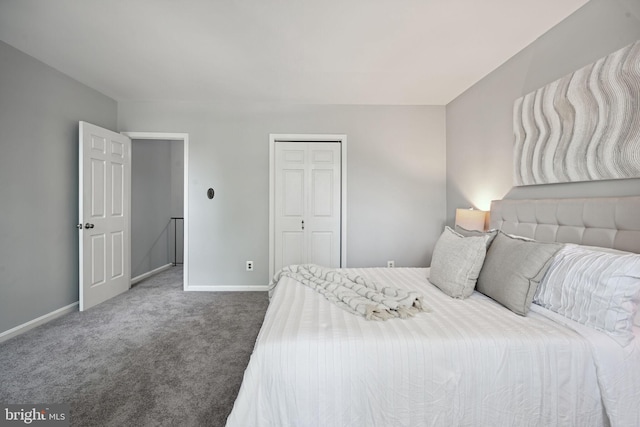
(302, 138)
(184, 137)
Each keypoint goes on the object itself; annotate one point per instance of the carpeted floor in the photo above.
(153, 356)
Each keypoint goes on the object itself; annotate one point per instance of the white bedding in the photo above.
(618, 370)
(468, 362)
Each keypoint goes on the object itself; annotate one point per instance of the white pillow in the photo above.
(456, 263)
(599, 288)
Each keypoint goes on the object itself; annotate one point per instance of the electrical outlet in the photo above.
(391, 264)
(249, 265)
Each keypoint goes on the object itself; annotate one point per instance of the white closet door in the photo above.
(290, 203)
(322, 221)
(307, 203)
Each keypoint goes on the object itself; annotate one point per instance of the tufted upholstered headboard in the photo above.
(610, 222)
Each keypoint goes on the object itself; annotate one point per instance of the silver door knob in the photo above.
(79, 226)
(89, 225)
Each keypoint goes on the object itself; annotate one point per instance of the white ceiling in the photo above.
(303, 51)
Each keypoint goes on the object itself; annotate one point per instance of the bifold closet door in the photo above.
(307, 203)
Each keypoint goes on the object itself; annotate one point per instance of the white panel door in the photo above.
(307, 203)
(104, 202)
(323, 205)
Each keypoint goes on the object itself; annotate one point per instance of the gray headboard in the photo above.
(610, 222)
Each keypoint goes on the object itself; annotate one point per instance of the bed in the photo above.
(468, 361)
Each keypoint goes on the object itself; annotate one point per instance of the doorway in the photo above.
(299, 178)
(156, 206)
(160, 230)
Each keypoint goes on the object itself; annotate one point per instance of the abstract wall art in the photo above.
(582, 127)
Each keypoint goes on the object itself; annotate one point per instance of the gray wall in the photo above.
(39, 113)
(177, 200)
(151, 205)
(395, 177)
(479, 122)
(177, 178)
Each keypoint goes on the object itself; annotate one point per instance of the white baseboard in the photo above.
(213, 288)
(37, 322)
(148, 274)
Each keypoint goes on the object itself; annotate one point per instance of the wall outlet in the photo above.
(249, 265)
(391, 264)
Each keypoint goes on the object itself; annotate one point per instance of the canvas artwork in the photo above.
(582, 127)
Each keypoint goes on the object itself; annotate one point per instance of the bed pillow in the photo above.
(491, 234)
(598, 288)
(512, 270)
(456, 262)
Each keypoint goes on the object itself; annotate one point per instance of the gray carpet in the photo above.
(153, 356)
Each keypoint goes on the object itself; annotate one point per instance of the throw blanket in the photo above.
(354, 293)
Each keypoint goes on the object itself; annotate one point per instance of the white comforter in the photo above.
(468, 362)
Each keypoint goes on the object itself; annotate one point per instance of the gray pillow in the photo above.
(456, 262)
(475, 233)
(513, 269)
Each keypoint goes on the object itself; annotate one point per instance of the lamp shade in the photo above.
(471, 219)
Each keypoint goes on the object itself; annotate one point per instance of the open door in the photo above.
(104, 217)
